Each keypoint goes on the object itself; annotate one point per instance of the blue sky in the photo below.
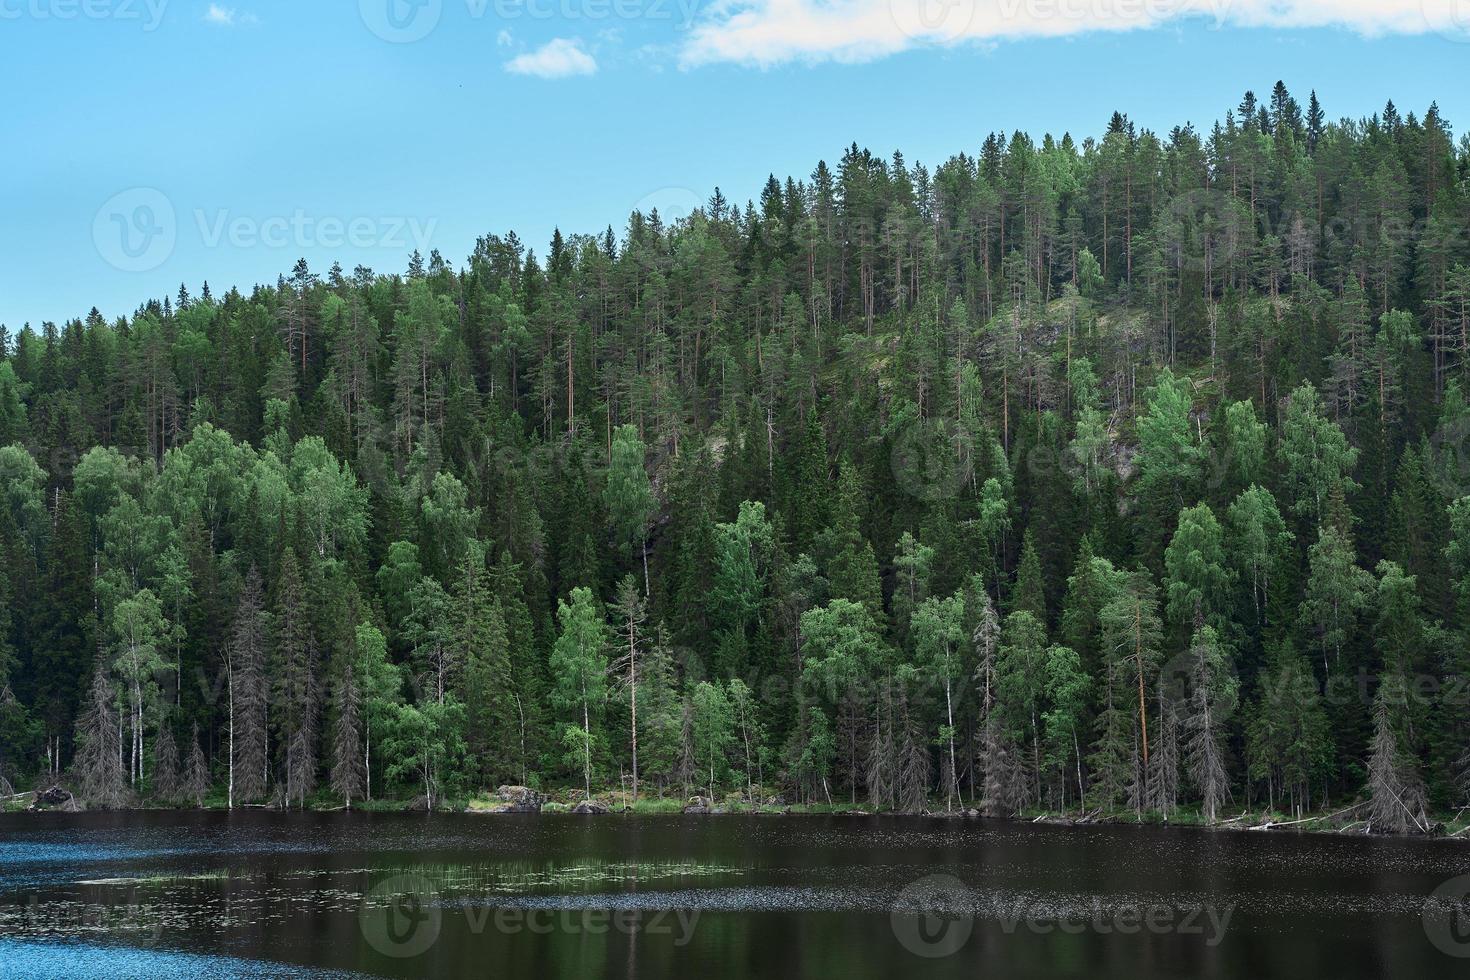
(153, 142)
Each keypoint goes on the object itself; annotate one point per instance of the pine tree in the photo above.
(294, 693)
(1030, 593)
(1396, 792)
(1288, 739)
(248, 696)
(482, 647)
(165, 764)
(628, 613)
(629, 497)
(349, 769)
(1212, 698)
(98, 764)
(195, 783)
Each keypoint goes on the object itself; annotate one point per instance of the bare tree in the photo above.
(99, 766)
(249, 754)
(630, 611)
(1397, 797)
(349, 773)
(196, 773)
(914, 770)
(1163, 781)
(165, 764)
(1212, 697)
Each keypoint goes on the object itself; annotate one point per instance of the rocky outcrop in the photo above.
(55, 796)
(519, 799)
(697, 804)
(590, 807)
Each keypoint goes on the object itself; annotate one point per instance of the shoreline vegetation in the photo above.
(613, 803)
(1120, 476)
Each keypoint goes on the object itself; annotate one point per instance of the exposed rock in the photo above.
(697, 804)
(519, 799)
(589, 806)
(55, 796)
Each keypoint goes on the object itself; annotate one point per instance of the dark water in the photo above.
(264, 894)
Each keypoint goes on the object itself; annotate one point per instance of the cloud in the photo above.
(558, 58)
(771, 32)
(227, 16)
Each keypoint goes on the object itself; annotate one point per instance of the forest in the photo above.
(1122, 477)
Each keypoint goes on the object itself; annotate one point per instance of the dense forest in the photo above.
(1122, 476)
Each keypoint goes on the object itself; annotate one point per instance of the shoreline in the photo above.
(1442, 826)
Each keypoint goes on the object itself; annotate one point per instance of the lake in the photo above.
(205, 894)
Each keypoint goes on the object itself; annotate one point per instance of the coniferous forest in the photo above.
(1121, 476)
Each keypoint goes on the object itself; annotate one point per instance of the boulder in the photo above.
(697, 804)
(589, 806)
(55, 796)
(519, 799)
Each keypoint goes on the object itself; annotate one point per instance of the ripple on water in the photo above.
(32, 958)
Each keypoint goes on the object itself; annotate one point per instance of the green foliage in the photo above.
(793, 429)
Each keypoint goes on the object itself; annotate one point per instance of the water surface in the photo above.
(267, 894)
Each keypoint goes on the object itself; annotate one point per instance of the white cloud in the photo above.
(227, 16)
(771, 32)
(558, 58)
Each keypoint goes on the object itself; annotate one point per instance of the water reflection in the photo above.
(202, 894)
